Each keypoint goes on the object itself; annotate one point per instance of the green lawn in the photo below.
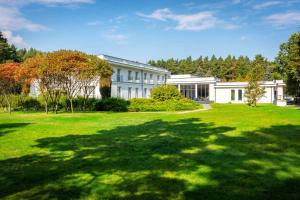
(229, 152)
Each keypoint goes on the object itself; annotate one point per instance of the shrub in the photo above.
(112, 104)
(168, 105)
(31, 104)
(165, 92)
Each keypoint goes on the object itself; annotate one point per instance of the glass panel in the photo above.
(240, 95)
(232, 95)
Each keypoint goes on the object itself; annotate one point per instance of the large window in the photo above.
(203, 91)
(119, 92)
(145, 77)
(119, 75)
(129, 93)
(129, 75)
(188, 91)
(232, 95)
(240, 95)
(136, 76)
(145, 93)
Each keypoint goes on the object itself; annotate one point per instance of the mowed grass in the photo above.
(229, 152)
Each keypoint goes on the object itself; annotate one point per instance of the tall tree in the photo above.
(8, 53)
(288, 63)
(9, 84)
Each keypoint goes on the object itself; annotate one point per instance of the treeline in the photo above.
(285, 66)
(227, 69)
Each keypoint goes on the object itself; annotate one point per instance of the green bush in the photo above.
(112, 104)
(165, 92)
(168, 105)
(31, 104)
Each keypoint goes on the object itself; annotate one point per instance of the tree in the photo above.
(253, 91)
(8, 53)
(102, 69)
(9, 84)
(288, 63)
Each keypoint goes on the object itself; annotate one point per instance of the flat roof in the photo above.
(132, 64)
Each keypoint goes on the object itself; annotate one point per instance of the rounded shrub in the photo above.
(165, 92)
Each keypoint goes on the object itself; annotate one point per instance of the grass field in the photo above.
(229, 152)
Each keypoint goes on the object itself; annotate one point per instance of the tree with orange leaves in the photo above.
(9, 83)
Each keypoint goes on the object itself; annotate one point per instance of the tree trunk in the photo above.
(46, 107)
(71, 105)
(9, 108)
(56, 108)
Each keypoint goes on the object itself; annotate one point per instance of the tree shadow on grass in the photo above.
(184, 159)
(10, 127)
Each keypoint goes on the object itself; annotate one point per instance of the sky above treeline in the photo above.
(147, 29)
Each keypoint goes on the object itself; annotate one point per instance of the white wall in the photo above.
(223, 95)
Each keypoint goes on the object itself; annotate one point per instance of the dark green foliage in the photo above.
(288, 63)
(8, 53)
(165, 92)
(137, 105)
(112, 104)
(105, 92)
(227, 69)
(31, 104)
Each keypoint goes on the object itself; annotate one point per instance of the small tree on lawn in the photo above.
(253, 91)
(9, 84)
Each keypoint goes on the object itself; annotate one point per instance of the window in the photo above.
(136, 92)
(240, 95)
(163, 78)
(151, 77)
(118, 75)
(158, 77)
(129, 75)
(145, 76)
(119, 92)
(232, 95)
(145, 92)
(129, 93)
(136, 76)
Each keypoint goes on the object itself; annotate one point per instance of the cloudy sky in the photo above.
(149, 29)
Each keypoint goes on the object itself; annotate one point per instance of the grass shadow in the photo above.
(10, 127)
(183, 159)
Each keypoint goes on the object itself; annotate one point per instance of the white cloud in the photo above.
(93, 23)
(16, 40)
(12, 19)
(283, 19)
(118, 38)
(267, 4)
(198, 21)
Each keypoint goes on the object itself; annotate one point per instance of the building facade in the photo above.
(133, 79)
(212, 89)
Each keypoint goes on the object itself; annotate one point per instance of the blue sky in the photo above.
(148, 29)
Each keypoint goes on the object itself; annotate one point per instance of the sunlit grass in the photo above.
(229, 152)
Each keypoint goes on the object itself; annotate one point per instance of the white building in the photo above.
(130, 79)
(211, 89)
(133, 79)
